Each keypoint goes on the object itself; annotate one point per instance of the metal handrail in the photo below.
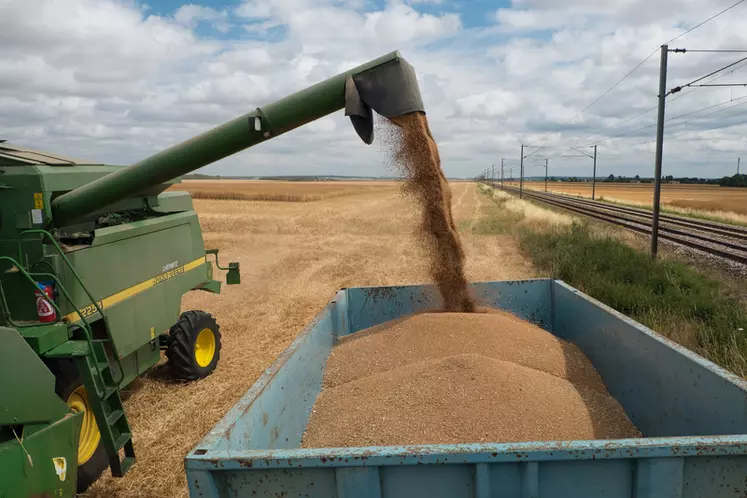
(70, 267)
(33, 283)
(87, 330)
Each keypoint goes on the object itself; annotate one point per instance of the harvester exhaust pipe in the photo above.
(386, 85)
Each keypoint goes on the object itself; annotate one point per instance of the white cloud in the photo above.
(191, 14)
(254, 9)
(106, 79)
(487, 105)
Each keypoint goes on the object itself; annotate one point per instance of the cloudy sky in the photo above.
(117, 80)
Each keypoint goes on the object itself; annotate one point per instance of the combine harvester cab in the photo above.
(94, 261)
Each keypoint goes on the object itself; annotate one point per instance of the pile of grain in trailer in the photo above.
(449, 378)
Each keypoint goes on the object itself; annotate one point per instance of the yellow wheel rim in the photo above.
(89, 431)
(205, 347)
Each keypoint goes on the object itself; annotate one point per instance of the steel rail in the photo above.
(673, 235)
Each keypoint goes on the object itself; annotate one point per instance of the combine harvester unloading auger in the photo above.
(95, 260)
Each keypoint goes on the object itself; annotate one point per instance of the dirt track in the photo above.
(293, 256)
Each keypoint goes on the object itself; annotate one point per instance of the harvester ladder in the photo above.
(92, 362)
(97, 375)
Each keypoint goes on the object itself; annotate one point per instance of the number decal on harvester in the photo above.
(90, 309)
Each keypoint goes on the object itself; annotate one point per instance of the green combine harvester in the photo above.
(94, 261)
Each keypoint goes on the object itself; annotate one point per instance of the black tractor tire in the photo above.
(183, 347)
(67, 380)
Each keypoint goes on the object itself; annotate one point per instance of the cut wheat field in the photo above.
(281, 191)
(294, 256)
(729, 203)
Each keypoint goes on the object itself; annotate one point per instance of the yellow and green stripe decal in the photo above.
(136, 289)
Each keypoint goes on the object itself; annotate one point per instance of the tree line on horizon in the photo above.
(727, 181)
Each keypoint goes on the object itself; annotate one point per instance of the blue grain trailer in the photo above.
(693, 415)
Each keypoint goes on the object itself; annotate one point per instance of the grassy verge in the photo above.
(667, 296)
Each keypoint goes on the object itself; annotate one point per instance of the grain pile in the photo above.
(416, 154)
(498, 335)
(457, 378)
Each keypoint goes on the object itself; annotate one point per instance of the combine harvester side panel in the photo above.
(692, 413)
(38, 438)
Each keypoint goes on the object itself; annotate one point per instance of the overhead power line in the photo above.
(617, 125)
(711, 107)
(680, 132)
(714, 16)
(533, 153)
(720, 85)
(671, 99)
(727, 125)
(607, 92)
(691, 132)
(621, 123)
(692, 83)
(612, 87)
(681, 116)
(736, 68)
(711, 50)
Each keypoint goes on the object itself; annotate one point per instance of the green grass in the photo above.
(666, 295)
(496, 220)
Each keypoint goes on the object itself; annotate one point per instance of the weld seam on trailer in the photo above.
(552, 305)
(358, 482)
(348, 313)
(203, 484)
(530, 480)
(482, 481)
(659, 478)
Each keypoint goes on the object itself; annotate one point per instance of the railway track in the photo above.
(725, 241)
